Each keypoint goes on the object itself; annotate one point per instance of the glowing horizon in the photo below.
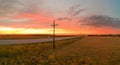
(9, 30)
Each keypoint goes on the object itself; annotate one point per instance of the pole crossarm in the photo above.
(54, 24)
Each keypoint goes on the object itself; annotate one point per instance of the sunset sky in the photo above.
(73, 16)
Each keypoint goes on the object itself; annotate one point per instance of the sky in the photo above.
(72, 16)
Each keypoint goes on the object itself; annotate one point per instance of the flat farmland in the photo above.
(92, 51)
(88, 50)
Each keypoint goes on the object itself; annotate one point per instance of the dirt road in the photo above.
(23, 41)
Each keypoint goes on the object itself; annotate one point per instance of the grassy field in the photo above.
(30, 54)
(78, 51)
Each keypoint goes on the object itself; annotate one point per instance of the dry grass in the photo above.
(30, 54)
(92, 51)
(85, 51)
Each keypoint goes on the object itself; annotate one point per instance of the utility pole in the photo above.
(54, 27)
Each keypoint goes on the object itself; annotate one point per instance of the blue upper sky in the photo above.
(115, 7)
(105, 7)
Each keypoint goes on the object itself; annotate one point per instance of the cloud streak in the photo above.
(72, 12)
(101, 21)
(75, 10)
(64, 18)
(13, 7)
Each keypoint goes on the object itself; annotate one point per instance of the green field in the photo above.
(78, 51)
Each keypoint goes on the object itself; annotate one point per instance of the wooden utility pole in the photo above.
(54, 27)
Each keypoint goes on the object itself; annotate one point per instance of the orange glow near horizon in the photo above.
(9, 30)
